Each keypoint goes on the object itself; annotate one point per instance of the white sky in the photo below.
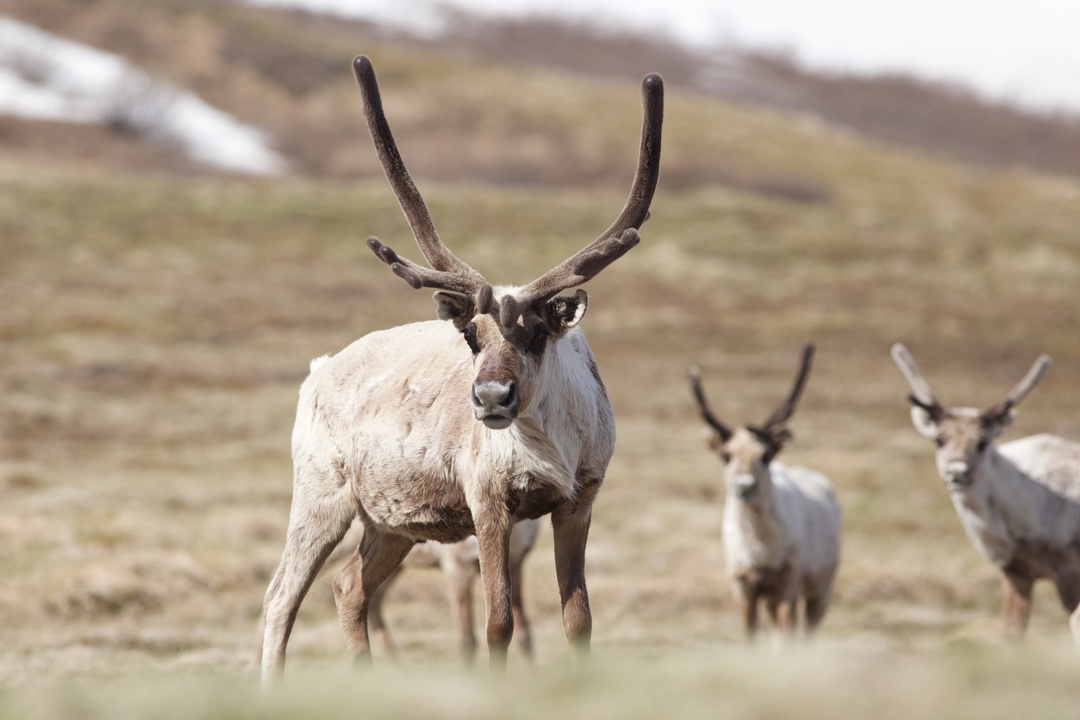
(1026, 51)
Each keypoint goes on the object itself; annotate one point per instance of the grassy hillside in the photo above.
(155, 329)
(284, 71)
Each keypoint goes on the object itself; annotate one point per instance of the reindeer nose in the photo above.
(495, 402)
(957, 474)
(745, 486)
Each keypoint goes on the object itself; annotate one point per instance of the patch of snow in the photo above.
(47, 77)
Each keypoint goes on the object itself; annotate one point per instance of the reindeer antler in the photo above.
(449, 273)
(622, 235)
(1018, 393)
(694, 375)
(921, 394)
(785, 410)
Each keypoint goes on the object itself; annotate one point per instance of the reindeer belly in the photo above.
(766, 581)
(421, 509)
(1036, 559)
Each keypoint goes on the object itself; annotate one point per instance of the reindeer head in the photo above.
(747, 451)
(963, 435)
(508, 329)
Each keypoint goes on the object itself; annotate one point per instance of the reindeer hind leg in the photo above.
(378, 557)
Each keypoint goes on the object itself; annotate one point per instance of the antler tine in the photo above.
(419, 276)
(787, 408)
(694, 374)
(614, 242)
(412, 204)
(1025, 386)
(920, 389)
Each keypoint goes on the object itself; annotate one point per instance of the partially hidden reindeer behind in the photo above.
(466, 425)
(781, 525)
(1019, 502)
(460, 565)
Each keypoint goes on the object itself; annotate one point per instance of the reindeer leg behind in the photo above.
(816, 606)
(818, 592)
(376, 559)
(376, 624)
(460, 572)
(784, 613)
(1067, 581)
(517, 604)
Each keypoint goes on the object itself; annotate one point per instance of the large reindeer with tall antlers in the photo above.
(443, 429)
(1019, 502)
(781, 524)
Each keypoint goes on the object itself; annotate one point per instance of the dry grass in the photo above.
(819, 684)
(155, 329)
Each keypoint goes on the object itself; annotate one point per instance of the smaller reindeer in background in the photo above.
(1019, 502)
(781, 524)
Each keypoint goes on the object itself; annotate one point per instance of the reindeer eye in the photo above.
(469, 332)
(983, 442)
(536, 346)
(940, 442)
(725, 456)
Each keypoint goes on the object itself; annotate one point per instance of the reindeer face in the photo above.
(746, 457)
(747, 451)
(508, 357)
(963, 437)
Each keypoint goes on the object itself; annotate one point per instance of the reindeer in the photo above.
(460, 564)
(781, 524)
(461, 426)
(1019, 502)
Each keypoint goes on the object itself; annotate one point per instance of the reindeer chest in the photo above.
(753, 541)
(986, 528)
(537, 500)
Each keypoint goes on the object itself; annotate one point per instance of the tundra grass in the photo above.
(154, 332)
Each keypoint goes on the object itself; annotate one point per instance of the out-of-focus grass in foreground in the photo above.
(812, 683)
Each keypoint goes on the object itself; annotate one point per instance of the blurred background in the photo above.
(185, 187)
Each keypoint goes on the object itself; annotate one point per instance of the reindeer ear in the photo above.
(456, 307)
(565, 312)
(780, 437)
(712, 439)
(995, 425)
(924, 422)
